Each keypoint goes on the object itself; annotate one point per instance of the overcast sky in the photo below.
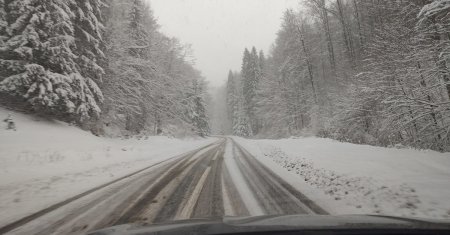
(219, 30)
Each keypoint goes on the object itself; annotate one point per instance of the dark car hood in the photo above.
(232, 225)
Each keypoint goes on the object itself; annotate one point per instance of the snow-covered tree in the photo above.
(197, 109)
(148, 76)
(372, 72)
(3, 23)
(130, 73)
(251, 74)
(39, 61)
(434, 23)
(231, 97)
(242, 126)
(88, 31)
(240, 122)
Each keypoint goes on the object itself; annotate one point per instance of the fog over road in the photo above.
(220, 179)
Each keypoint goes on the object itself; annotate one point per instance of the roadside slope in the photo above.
(347, 178)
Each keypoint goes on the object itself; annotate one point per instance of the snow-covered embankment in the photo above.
(353, 179)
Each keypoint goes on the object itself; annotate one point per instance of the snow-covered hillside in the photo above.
(347, 178)
(44, 162)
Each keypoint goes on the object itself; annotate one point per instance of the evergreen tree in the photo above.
(232, 98)
(198, 114)
(88, 33)
(242, 125)
(261, 63)
(131, 95)
(258, 122)
(137, 30)
(251, 75)
(39, 60)
(3, 23)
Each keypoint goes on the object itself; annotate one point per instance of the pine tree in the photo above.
(232, 97)
(3, 23)
(88, 33)
(133, 100)
(3, 36)
(261, 63)
(251, 75)
(258, 123)
(242, 125)
(141, 26)
(39, 60)
(198, 114)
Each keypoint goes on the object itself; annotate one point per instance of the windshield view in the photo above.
(224, 116)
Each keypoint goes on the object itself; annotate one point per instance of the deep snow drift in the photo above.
(347, 178)
(45, 162)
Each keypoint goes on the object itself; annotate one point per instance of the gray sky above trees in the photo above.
(219, 30)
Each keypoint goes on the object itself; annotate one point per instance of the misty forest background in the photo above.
(362, 71)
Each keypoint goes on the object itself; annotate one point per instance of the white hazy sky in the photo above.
(219, 30)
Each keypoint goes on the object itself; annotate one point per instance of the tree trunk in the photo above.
(432, 114)
(326, 27)
(308, 61)
(345, 32)
(358, 21)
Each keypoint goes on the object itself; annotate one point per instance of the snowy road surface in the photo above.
(218, 179)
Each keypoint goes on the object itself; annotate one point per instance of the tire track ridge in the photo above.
(300, 196)
(210, 202)
(185, 187)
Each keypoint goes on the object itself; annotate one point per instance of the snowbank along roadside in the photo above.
(359, 179)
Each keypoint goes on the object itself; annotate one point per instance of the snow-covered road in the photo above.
(218, 179)
(56, 178)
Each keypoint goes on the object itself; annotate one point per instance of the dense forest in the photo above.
(372, 72)
(363, 71)
(100, 64)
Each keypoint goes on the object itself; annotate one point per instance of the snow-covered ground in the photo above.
(347, 178)
(45, 162)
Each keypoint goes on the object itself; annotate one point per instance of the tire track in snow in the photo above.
(52, 224)
(179, 191)
(276, 195)
(210, 201)
(241, 182)
(219, 179)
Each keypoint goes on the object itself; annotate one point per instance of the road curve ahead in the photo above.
(213, 181)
